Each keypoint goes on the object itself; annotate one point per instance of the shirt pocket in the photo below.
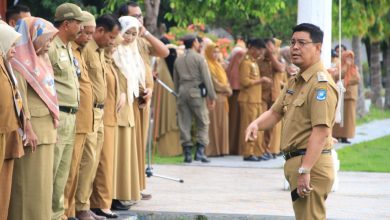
(60, 69)
(39, 112)
(298, 113)
(194, 93)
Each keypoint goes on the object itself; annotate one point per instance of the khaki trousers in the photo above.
(5, 187)
(249, 112)
(70, 189)
(89, 162)
(2, 149)
(32, 184)
(63, 151)
(126, 172)
(321, 180)
(141, 151)
(102, 186)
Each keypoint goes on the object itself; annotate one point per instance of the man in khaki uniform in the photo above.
(84, 116)
(107, 28)
(271, 67)
(148, 46)
(67, 20)
(191, 71)
(251, 81)
(307, 105)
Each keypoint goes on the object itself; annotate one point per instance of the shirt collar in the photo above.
(59, 43)
(308, 73)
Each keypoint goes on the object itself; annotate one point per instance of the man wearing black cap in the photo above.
(193, 83)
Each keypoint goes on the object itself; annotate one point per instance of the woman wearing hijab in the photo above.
(166, 130)
(127, 168)
(33, 173)
(219, 118)
(351, 78)
(10, 116)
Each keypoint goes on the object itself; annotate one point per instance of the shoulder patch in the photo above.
(322, 77)
(321, 94)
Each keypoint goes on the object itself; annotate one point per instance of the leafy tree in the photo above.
(240, 16)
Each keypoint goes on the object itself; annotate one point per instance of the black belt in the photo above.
(70, 110)
(300, 152)
(97, 105)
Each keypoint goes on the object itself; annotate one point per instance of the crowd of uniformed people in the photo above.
(76, 98)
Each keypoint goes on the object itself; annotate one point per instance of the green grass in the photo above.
(371, 156)
(374, 114)
(157, 159)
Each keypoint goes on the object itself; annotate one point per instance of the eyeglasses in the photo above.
(301, 43)
(138, 16)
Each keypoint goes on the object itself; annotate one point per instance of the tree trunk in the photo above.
(376, 77)
(386, 58)
(151, 8)
(356, 47)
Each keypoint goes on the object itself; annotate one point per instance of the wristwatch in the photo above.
(146, 33)
(303, 170)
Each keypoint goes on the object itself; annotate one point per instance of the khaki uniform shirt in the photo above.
(84, 116)
(8, 117)
(37, 112)
(146, 50)
(191, 70)
(249, 73)
(96, 67)
(309, 99)
(126, 114)
(110, 115)
(67, 85)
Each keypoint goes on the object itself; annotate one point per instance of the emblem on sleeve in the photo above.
(321, 94)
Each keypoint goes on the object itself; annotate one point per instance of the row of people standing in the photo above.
(253, 79)
(75, 94)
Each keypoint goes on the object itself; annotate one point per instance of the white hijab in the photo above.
(7, 38)
(129, 60)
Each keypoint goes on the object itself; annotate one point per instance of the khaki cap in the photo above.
(89, 19)
(69, 11)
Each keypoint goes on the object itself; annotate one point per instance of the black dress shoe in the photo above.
(251, 158)
(117, 205)
(263, 157)
(101, 213)
(345, 141)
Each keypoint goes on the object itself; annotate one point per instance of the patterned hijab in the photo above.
(37, 70)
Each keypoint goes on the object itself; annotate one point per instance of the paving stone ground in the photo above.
(229, 188)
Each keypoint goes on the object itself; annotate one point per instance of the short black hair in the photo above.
(108, 22)
(316, 34)
(165, 40)
(11, 13)
(200, 40)
(334, 54)
(189, 42)
(123, 9)
(22, 8)
(266, 40)
(342, 46)
(256, 43)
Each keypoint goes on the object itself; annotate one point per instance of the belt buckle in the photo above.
(287, 155)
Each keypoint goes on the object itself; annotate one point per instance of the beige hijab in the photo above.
(129, 60)
(7, 38)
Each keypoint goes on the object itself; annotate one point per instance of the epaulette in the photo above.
(322, 77)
